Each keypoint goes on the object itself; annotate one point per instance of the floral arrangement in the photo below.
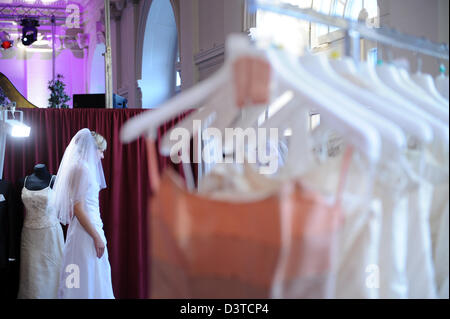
(58, 96)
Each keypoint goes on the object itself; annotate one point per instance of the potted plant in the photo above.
(58, 96)
(3, 98)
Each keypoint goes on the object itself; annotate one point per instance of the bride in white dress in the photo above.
(86, 272)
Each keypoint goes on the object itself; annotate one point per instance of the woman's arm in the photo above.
(90, 229)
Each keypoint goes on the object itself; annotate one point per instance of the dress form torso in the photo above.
(40, 179)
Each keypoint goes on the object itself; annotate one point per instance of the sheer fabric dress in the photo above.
(80, 257)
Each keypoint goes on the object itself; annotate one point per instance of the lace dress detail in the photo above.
(38, 213)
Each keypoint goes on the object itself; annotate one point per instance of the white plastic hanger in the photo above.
(278, 88)
(361, 134)
(381, 104)
(295, 116)
(346, 120)
(347, 95)
(423, 88)
(204, 115)
(252, 114)
(390, 75)
(426, 82)
(440, 129)
(442, 84)
(220, 113)
(299, 158)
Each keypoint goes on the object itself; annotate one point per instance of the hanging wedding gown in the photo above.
(274, 244)
(439, 219)
(358, 239)
(84, 275)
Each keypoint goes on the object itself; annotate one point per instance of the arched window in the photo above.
(295, 35)
(159, 55)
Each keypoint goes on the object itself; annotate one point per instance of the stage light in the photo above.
(5, 40)
(6, 44)
(12, 126)
(29, 31)
(17, 129)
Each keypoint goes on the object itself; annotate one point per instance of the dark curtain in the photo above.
(123, 204)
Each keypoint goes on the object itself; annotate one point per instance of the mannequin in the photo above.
(40, 179)
(42, 238)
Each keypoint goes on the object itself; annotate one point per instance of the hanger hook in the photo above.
(442, 68)
(380, 51)
(381, 58)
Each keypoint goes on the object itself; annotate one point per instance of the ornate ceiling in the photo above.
(76, 20)
(74, 37)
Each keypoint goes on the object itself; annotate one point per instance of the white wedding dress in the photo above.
(42, 242)
(83, 274)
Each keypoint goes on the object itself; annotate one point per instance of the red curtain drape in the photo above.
(123, 204)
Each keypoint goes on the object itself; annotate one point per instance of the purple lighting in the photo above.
(78, 52)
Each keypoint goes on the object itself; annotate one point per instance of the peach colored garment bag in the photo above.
(277, 247)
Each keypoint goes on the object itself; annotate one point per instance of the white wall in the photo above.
(422, 18)
(204, 27)
(211, 23)
(443, 22)
(188, 42)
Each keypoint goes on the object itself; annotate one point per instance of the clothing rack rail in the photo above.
(355, 30)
